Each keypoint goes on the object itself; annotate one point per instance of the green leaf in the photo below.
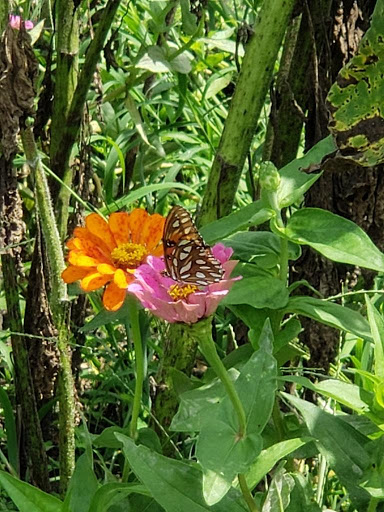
(376, 323)
(154, 60)
(215, 487)
(82, 487)
(216, 85)
(279, 491)
(342, 446)
(259, 247)
(345, 393)
(113, 492)
(295, 183)
(124, 201)
(218, 447)
(251, 215)
(105, 317)
(107, 438)
(28, 498)
(188, 19)
(175, 485)
(301, 499)
(198, 403)
(259, 292)
(334, 237)
(270, 456)
(330, 314)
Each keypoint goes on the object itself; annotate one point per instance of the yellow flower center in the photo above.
(129, 255)
(181, 292)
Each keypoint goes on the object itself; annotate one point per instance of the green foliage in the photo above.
(157, 106)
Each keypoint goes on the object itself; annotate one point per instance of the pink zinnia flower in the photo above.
(15, 22)
(186, 303)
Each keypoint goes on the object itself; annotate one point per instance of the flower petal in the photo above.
(84, 234)
(113, 297)
(99, 227)
(152, 233)
(122, 279)
(105, 268)
(119, 226)
(82, 260)
(137, 218)
(93, 281)
(72, 274)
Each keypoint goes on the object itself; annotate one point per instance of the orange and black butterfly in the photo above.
(188, 258)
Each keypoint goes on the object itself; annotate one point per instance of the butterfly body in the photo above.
(188, 259)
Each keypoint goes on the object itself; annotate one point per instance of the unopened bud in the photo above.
(269, 177)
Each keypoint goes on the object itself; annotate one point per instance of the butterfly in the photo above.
(188, 258)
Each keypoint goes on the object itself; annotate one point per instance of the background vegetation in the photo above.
(263, 119)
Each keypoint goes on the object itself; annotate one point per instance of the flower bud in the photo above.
(269, 177)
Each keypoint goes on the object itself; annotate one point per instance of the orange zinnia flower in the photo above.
(109, 252)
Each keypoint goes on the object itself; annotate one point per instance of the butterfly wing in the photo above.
(187, 257)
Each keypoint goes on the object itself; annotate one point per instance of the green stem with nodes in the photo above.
(139, 362)
(207, 346)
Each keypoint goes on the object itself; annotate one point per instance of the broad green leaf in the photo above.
(279, 491)
(28, 498)
(154, 60)
(199, 403)
(175, 485)
(334, 237)
(343, 447)
(251, 215)
(259, 247)
(215, 487)
(345, 393)
(259, 292)
(82, 487)
(302, 496)
(216, 85)
(376, 323)
(113, 492)
(157, 61)
(218, 447)
(223, 44)
(374, 476)
(107, 438)
(105, 317)
(189, 20)
(294, 183)
(330, 314)
(271, 456)
(252, 317)
(355, 99)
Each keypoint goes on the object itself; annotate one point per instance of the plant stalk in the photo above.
(240, 126)
(207, 345)
(59, 307)
(139, 363)
(247, 495)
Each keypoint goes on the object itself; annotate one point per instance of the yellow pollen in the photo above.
(129, 255)
(178, 292)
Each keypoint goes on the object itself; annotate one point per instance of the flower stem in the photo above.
(208, 348)
(247, 494)
(139, 360)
